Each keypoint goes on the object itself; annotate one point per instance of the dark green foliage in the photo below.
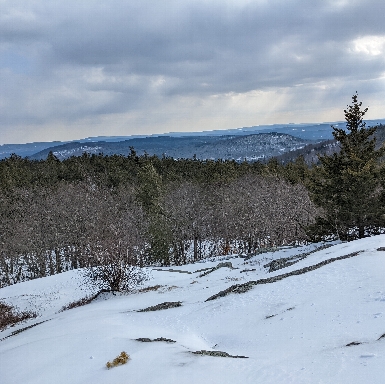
(160, 238)
(149, 189)
(149, 192)
(113, 171)
(297, 171)
(347, 183)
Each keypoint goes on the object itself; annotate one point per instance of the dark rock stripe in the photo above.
(14, 333)
(171, 270)
(227, 264)
(165, 305)
(148, 340)
(284, 262)
(218, 354)
(353, 343)
(241, 288)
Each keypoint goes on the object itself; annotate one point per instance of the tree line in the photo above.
(148, 217)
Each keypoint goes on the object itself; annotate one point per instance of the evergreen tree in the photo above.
(149, 193)
(346, 185)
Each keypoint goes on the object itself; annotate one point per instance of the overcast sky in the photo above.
(72, 69)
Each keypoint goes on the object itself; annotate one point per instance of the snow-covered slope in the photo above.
(294, 330)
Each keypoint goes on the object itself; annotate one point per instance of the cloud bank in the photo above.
(80, 68)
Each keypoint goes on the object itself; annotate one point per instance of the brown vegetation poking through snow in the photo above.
(10, 316)
(119, 360)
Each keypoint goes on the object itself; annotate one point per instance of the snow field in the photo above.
(293, 331)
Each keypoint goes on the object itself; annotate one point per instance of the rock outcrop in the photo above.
(161, 306)
(242, 288)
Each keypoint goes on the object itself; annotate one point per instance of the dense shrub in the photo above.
(114, 276)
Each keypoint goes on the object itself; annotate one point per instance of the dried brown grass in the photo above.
(10, 316)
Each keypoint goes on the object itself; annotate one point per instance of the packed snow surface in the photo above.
(295, 330)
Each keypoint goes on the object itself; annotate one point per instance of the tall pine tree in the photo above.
(347, 183)
(149, 192)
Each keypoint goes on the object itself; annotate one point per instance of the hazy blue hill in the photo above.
(25, 150)
(238, 143)
(250, 147)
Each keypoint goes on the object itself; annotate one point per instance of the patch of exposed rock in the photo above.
(14, 333)
(353, 343)
(149, 289)
(171, 270)
(161, 306)
(241, 288)
(203, 269)
(284, 262)
(148, 340)
(217, 354)
(226, 264)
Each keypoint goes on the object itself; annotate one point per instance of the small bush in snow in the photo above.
(120, 360)
(114, 277)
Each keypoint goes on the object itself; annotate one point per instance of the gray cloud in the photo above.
(64, 62)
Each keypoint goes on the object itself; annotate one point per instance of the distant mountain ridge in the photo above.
(250, 147)
(250, 143)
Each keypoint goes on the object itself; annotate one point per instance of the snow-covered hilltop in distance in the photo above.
(250, 143)
(250, 147)
(311, 314)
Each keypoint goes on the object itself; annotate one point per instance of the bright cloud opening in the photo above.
(370, 45)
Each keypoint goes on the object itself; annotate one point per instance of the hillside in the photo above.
(317, 319)
(250, 147)
(311, 151)
(311, 132)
